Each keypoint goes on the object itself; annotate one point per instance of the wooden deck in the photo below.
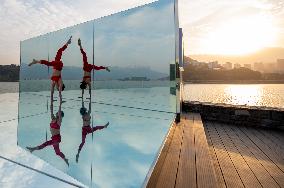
(214, 155)
(246, 157)
(185, 159)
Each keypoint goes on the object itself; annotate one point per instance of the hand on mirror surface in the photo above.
(33, 62)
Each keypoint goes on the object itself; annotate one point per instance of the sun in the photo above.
(241, 36)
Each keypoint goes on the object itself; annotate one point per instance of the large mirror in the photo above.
(99, 98)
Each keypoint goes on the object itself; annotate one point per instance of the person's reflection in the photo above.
(57, 68)
(86, 128)
(87, 70)
(55, 140)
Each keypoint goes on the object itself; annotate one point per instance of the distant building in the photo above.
(248, 66)
(270, 68)
(280, 65)
(237, 66)
(228, 65)
(258, 66)
(213, 65)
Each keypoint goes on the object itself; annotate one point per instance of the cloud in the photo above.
(21, 19)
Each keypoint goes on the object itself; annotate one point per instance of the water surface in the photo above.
(269, 95)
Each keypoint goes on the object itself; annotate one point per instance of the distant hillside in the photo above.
(267, 55)
(9, 73)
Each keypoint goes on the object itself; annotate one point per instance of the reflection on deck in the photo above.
(215, 155)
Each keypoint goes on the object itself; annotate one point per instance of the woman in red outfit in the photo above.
(57, 65)
(86, 128)
(55, 140)
(87, 70)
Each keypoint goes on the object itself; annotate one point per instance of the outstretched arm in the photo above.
(99, 67)
(44, 62)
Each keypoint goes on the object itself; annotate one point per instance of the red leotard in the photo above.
(54, 125)
(55, 140)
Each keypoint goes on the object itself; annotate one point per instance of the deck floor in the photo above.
(185, 159)
(245, 156)
(198, 154)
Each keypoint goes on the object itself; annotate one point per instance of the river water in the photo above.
(270, 95)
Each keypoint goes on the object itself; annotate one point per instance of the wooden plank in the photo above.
(259, 171)
(204, 167)
(278, 135)
(269, 135)
(157, 169)
(168, 173)
(186, 176)
(230, 174)
(271, 168)
(247, 176)
(274, 147)
(218, 171)
(274, 157)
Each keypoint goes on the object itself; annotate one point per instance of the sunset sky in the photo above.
(210, 26)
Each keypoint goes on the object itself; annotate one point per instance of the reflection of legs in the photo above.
(84, 134)
(47, 143)
(81, 145)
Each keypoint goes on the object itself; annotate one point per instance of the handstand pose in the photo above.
(87, 70)
(57, 68)
(55, 140)
(86, 128)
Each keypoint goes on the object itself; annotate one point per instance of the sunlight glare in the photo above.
(244, 94)
(241, 36)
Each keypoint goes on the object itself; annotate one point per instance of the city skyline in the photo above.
(209, 27)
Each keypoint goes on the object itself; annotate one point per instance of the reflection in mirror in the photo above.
(86, 126)
(87, 68)
(55, 124)
(119, 97)
(57, 65)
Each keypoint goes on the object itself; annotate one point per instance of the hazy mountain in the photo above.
(266, 55)
(75, 73)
